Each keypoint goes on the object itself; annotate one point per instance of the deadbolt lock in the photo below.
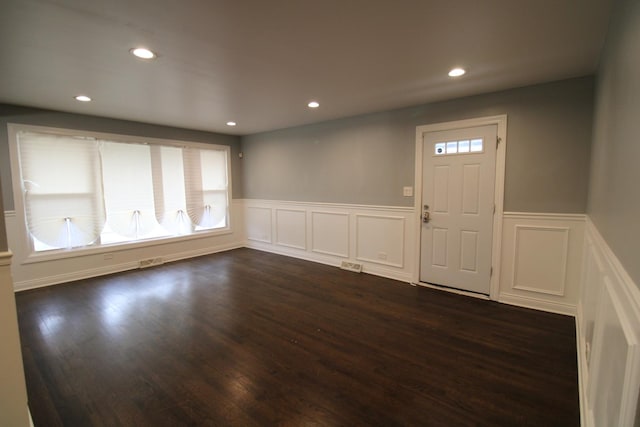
(425, 214)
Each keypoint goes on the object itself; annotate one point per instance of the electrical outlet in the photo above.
(382, 255)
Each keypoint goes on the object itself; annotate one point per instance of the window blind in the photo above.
(169, 189)
(80, 191)
(62, 192)
(128, 189)
(206, 181)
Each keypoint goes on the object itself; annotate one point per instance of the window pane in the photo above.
(128, 189)
(440, 148)
(214, 169)
(215, 211)
(463, 146)
(169, 190)
(80, 191)
(452, 147)
(476, 145)
(206, 183)
(62, 197)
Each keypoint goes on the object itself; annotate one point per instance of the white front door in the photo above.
(458, 179)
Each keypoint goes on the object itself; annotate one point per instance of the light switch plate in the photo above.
(407, 191)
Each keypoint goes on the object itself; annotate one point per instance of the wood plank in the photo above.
(251, 338)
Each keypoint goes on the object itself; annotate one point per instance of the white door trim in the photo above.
(501, 122)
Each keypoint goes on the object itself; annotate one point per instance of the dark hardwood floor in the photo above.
(248, 338)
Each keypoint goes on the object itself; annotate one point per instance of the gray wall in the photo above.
(614, 198)
(32, 116)
(368, 159)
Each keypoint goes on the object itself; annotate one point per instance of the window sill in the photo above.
(60, 254)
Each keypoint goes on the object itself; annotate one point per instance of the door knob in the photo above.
(425, 214)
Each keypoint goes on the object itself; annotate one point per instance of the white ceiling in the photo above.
(258, 62)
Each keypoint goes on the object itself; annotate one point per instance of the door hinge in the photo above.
(498, 141)
(491, 272)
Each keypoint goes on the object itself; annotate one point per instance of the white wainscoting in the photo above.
(330, 233)
(291, 226)
(541, 259)
(378, 237)
(608, 337)
(13, 404)
(28, 273)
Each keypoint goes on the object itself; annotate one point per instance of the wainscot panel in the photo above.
(291, 228)
(541, 259)
(380, 239)
(608, 337)
(376, 237)
(330, 233)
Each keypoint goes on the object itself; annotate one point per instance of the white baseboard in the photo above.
(327, 260)
(537, 304)
(73, 276)
(113, 268)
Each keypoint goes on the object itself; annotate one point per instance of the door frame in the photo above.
(498, 197)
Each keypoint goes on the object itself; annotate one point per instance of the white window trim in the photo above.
(34, 257)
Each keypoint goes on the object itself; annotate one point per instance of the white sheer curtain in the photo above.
(62, 192)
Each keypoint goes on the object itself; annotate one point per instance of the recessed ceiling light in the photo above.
(82, 98)
(313, 104)
(457, 72)
(143, 53)
(231, 123)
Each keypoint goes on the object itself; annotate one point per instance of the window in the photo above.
(458, 147)
(87, 191)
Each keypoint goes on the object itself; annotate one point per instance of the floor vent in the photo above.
(351, 266)
(150, 262)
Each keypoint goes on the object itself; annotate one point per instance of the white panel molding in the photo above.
(9, 214)
(285, 230)
(616, 359)
(368, 239)
(608, 369)
(334, 234)
(529, 276)
(259, 224)
(526, 283)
